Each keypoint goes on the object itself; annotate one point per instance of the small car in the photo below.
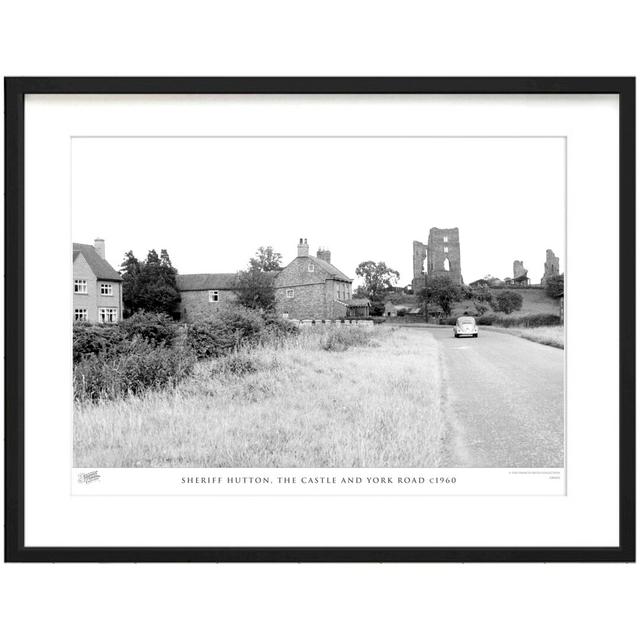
(465, 326)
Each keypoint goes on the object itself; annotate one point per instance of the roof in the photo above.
(100, 267)
(359, 302)
(335, 274)
(209, 281)
(205, 281)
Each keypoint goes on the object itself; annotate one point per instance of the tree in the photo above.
(442, 291)
(150, 285)
(483, 301)
(479, 283)
(508, 301)
(266, 259)
(130, 270)
(378, 279)
(554, 286)
(255, 290)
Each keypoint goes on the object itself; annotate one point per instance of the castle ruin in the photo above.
(551, 266)
(520, 273)
(442, 256)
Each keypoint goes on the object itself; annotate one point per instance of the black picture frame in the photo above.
(15, 91)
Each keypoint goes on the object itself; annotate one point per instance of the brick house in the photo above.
(310, 287)
(97, 286)
(203, 294)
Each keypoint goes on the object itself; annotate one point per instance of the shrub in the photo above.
(533, 320)
(508, 301)
(555, 286)
(210, 339)
(95, 339)
(236, 364)
(342, 339)
(377, 308)
(227, 331)
(154, 328)
(141, 366)
(277, 326)
(540, 320)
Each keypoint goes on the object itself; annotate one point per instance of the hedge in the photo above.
(140, 367)
(532, 320)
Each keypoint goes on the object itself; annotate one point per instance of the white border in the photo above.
(587, 516)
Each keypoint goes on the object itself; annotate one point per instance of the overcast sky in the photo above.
(212, 201)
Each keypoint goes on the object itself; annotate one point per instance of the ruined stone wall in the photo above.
(419, 256)
(518, 269)
(444, 246)
(551, 266)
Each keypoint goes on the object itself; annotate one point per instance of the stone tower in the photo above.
(419, 256)
(551, 266)
(443, 254)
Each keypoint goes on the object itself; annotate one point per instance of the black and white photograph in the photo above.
(318, 301)
(315, 320)
(320, 307)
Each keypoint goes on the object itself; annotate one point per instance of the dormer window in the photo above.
(311, 267)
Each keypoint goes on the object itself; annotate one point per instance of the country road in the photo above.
(503, 399)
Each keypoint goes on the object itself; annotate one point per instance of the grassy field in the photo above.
(304, 402)
(534, 301)
(553, 336)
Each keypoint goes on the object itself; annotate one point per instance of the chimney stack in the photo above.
(98, 244)
(303, 248)
(324, 254)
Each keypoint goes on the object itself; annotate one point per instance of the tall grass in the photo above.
(326, 397)
(150, 351)
(552, 336)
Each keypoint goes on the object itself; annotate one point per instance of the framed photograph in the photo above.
(320, 319)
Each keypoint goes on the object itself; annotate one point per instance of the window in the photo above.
(80, 314)
(447, 264)
(79, 286)
(446, 249)
(445, 239)
(106, 289)
(108, 314)
(289, 293)
(285, 316)
(311, 266)
(214, 296)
